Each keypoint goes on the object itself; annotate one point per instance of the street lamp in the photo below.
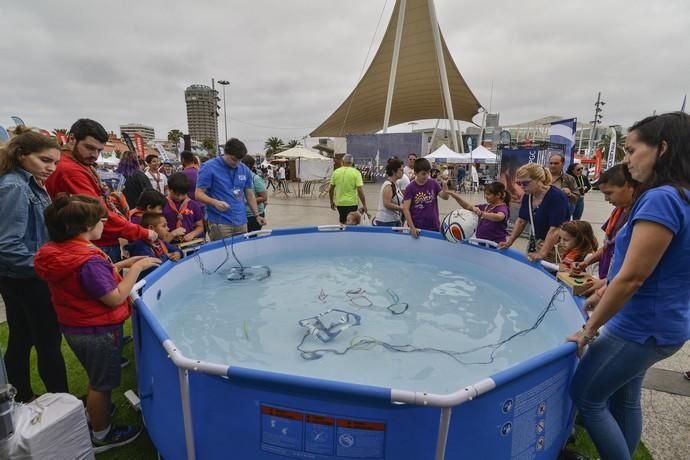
(224, 83)
(597, 120)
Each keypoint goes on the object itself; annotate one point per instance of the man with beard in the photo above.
(76, 174)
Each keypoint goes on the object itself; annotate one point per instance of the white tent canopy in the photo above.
(300, 152)
(310, 165)
(110, 160)
(481, 155)
(444, 153)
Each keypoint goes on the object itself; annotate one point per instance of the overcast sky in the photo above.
(291, 63)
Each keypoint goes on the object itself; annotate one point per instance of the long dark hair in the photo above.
(673, 167)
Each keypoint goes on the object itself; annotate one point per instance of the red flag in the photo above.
(61, 138)
(139, 142)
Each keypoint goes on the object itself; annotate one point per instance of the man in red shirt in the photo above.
(76, 174)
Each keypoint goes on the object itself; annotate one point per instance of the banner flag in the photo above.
(128, 141)
(61, 138)
(18, 121)
(4, 135)
(563, 132)
(139, 142)
(611, 159)
(164, 155)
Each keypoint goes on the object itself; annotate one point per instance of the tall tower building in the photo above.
(202, 120)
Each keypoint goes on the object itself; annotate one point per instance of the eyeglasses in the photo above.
(578, 169)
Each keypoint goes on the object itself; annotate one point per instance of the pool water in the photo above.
(453, 305)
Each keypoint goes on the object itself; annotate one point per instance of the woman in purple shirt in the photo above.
(646, 305)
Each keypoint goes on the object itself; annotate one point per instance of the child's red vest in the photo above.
(59, 264)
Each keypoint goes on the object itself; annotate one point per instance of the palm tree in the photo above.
(605, 142)
(174, 135)
(210, 146)
(273, 145)
(293, 143)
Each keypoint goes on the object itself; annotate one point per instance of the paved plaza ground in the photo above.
(666, 401)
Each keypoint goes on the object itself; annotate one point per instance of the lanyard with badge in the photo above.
(235, 190)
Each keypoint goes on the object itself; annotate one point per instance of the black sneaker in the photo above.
(116, 437)
(686, 375)
(127, 339)
(124, 362)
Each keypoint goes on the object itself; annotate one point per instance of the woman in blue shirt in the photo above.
(25, 163)
(548, 207)
(646, 305)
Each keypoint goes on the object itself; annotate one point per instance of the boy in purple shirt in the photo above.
(189, 170)
(421, 199)
(180, 211)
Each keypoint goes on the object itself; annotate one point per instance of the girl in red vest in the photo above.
(91, 302)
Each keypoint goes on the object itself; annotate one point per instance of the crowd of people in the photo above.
(72, 248)
(638, 305)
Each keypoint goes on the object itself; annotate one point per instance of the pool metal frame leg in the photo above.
(443, 428)
(187, 413)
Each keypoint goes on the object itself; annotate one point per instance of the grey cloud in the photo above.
(291, 63)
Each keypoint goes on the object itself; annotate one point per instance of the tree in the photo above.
(174, 136)
(210, 146)
(293, 143)
(605, 142)
(273, 145)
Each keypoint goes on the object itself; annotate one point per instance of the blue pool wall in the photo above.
(227, 410)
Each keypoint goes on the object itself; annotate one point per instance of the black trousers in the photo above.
(343, 211)
(32, 323)
(252, 224)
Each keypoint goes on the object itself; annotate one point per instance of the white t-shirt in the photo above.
(269, 173)
(409, 172)
(158, 181)
(388, 215)
(281, 173)
(403, 182)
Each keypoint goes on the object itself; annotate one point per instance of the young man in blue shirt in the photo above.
(225, 185)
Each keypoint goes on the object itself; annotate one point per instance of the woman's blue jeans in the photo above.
(579, 208)
(606, 389)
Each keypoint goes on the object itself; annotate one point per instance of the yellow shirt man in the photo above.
(346, 184)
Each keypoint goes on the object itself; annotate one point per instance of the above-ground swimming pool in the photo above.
(354, 343)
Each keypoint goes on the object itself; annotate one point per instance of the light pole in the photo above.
(597, 119)
(224, 83)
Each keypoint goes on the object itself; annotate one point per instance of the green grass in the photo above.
(140, 449)
(143, 449)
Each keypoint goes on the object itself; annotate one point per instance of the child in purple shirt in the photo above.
(420, 204)
(494, 215)
(181, 212)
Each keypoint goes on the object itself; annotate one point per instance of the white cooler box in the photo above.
(52, 426)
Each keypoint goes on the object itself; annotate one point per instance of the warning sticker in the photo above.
(360, 439)
(299, 434)
(282, 428)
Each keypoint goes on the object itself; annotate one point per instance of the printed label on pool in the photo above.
(321, 437)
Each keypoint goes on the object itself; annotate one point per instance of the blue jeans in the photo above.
(579, 208)
(606, 388)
